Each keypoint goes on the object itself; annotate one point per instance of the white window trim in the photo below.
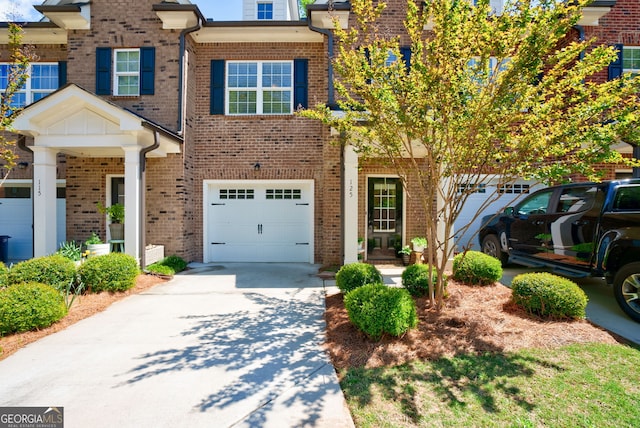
(258, 10)
(631, 70)
(259, 89)
(27, 86)
(117, 74)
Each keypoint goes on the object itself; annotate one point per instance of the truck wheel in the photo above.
(626, 287)
(491, 247)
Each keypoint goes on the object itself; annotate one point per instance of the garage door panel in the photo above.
(474, 202)
(271, 226)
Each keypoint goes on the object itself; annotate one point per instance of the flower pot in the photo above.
(418, 248)
(98, 249)
(116, 231)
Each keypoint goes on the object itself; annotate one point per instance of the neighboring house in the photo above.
(190, 123)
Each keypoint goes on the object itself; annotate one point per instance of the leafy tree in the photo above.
(483, 94)
(20, 56)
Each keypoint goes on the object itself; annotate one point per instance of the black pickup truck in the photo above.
(578, 230)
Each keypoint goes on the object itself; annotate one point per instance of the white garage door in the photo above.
(249, 221)
(469, 238)
(16, 221)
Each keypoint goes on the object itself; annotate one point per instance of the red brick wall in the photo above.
(287, 146)
(137, 27)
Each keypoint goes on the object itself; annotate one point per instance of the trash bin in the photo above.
(4, 248)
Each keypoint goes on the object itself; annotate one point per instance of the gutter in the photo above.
(143, 167)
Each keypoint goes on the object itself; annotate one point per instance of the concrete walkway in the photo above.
(223, 345)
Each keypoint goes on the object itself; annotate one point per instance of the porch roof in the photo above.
(79, 123)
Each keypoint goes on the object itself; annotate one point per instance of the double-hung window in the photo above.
(43, 79)
(265, 10)
(125, 72)
(631, 59)
(126, 76)
(259, 87)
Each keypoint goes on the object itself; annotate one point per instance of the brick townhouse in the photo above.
(189, 122)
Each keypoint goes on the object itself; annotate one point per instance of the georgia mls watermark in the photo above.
(31, 417)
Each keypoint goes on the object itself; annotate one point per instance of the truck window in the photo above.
(535, 204)
(627, 198)
(575, 199)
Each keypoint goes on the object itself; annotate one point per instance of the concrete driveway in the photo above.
(221, 346)
(602, 309)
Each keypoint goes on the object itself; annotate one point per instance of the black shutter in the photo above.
(301, 83)
(62, 73)
(103, 71)
(615, 68)
(147, 70)
(406, 56)
(217, 87)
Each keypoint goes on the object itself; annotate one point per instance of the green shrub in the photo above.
(160, 269)
(4, 272)
(29, 306)
(415, 279)
(168, 266)
(111, 272)
(70, 250)
(549, 295)
(474, 267)
(376, 309)
(55, 270)
(354, 275)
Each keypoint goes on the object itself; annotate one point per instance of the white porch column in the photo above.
(44, 201)
(132, 203)
(350, 204)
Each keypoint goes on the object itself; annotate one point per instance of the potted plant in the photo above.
(95, 246)
(405, 252)
(115, 213)
(419, 244)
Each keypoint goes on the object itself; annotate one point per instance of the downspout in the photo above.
(181, 73)
(22, 144)
(329, 34)
(143, 224)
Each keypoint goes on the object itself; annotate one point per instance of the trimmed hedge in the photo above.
(376, 309)
(110, 272)
(168, 266)
(476, 268)
(354, 275)
(55, 270)
(415, 278)
(29, 306)
(549, 295)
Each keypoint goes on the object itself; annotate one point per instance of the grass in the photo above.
(594, 385)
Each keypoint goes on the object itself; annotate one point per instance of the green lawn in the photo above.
(593, 385)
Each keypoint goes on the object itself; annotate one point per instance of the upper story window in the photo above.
(126, 76)
(259, 87)
(43, 79)
(631, 59)
(125, 72)
(265, 10)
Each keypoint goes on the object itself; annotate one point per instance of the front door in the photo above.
(384, 216)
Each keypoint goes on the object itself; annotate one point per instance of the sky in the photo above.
(220, 10)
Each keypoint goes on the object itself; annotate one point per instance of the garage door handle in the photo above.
(302, 204)
(302, 243)
(218, 243)
(218, 204)
(259, 229)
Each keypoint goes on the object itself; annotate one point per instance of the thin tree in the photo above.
(20, 58)
(467, 93)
